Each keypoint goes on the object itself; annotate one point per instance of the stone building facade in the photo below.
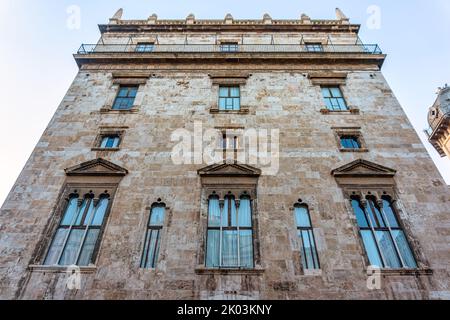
(104, 193)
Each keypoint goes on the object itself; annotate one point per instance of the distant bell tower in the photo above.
(439, 121)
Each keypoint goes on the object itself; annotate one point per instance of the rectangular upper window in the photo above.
(229, 98)
(229, 47)
(334, 98)
(110, 142)
(125, 98)
(314, 47)
(145, 47)
(350, 142)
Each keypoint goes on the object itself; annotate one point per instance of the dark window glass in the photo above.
(334, 99)
(350, 142)
(153, 237)
(384, 240)
(314, 47)
(125, 98)
(110, 142)
(229, 98)
(230, 234)
(145, 47)
(229, 47)
(310, 257)
(78, 233)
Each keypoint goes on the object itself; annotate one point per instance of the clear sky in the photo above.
(39, 38)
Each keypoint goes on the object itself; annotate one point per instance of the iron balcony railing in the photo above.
(86, 49)
(434, 125)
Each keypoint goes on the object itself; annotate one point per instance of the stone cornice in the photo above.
(128, 26)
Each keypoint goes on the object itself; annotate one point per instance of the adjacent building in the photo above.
(228, 159)
(439, 121)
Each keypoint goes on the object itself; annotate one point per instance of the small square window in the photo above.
(350, 142)
(229, 47)
(334, 99)
(110, 142)
(314, 47)
(125, 98)
(145, 47)
(229, 98)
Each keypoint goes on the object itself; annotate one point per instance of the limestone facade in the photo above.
(280, 87)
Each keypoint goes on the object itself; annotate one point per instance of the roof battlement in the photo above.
(304, 23)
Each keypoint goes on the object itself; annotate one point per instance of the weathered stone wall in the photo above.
(176, 97)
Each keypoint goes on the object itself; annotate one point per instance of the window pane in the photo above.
(360, 216)
(233, 212)
(308, 249)
(390, 215)
(374, 209)
(234, 92)
(246, 248)
(222, 103)
(70, 213)
(213, 249)
(371, 248)
(302, 217)
(336, 92)
(237, 104)
(81, 211)
(326, 92)
(157, 216)
(388, 249)
(405, 250)
(88, 247)
(245, 213)
(223, 92)
(225, 213)
(342, 104)
(56, 247)
(104, 142)
(89, 214)
(69, 256)
(152, 249)
(123, 92)
(229, 249)
(100, 212)
(214, 212)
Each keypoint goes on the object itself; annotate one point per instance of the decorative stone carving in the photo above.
(152, 19)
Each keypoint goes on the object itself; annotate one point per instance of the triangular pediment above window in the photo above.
(230, 170)
(97, 167)
(363, 168)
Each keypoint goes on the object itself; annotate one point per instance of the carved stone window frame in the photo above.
(339, 132)
(321, 79)
(109, 131)
(223, 180)
(96, 177)
(229, 79)
(138, 79)
(364, 179)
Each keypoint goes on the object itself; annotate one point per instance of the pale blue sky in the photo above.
(37, 67)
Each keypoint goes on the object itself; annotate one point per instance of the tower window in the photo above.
(110, 142)
(229, 47)
(145, 47)
(125, 98)
(229, 98)
(350, 142)
(310, 258)
(230, 233)
(334, 99)
(314, 47)
(153, 236)
(384, 239)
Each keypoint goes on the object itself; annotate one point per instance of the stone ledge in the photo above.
(242, 111)
(105, 149)
(362, 150)
(407, 272)
(335, 112)
(59, 269)
(133, 109)
(206, 271)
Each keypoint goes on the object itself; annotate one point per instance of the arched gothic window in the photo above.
(230, 233)
(153, 236)
(78, 233)
(310, 257)
(383, 237)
